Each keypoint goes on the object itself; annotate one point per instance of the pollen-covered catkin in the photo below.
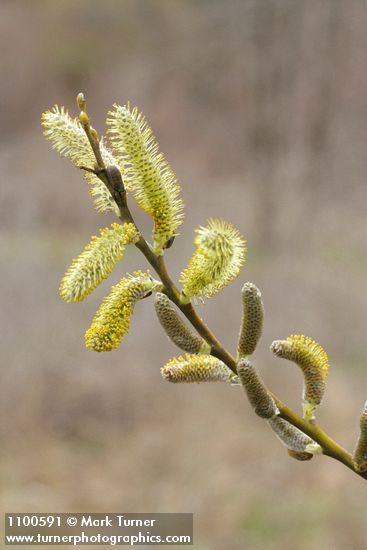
(197, 368)
(360, 452)
(257, 394)
(217, 260)
(295, 440)
(150, 177)
(313, 360)
(176, 328)
(96, 261)
(69, 140)
(252, 320)
(112, 320)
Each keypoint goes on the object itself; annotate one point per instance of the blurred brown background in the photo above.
(261, 108)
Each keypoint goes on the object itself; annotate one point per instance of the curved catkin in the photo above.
(295, 440)
(219, 256)
(313, 361)
(96, 261)
(112, 320)
(197, 368)
(360, 452)
(70, 141)
(176, 328)
(152, 180)
(259, 397)
(252, 320)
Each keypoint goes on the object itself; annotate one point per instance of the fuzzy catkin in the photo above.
(360, 451)
(150, 177)
(112, 320)
(218, 259)
(252, 320)
(176, 329)
(197, 368)
(69, 140)
(293, 438)
(259, 397)
(313, 361)
(96, 261)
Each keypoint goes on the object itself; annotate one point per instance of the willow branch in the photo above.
(116, 188)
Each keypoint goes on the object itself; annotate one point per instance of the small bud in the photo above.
(94, 134)
(115, 179)
(83, 118)
(169, 243)
(256, 391)
(294, 439)
(313, 361)
(80, 99)
(176, 328)
(360, 452)
(252, 320)
(197, 368)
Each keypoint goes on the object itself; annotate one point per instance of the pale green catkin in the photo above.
(150, 177)
(252, 320)
(219, 256)
(295, 440)
(69, 140)
(259, 397)
(176, 329)
(96, 261)
(197, 368)
(360, 452)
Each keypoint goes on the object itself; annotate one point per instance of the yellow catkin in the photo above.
(360, 452)
(259, 397)
(313, 361)
(112, 320)
(152, 180)
(176, 329)
(218, 259)
(69, 140)
(252, 320)
(197, 368)
(299, 445)
(96, 261)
